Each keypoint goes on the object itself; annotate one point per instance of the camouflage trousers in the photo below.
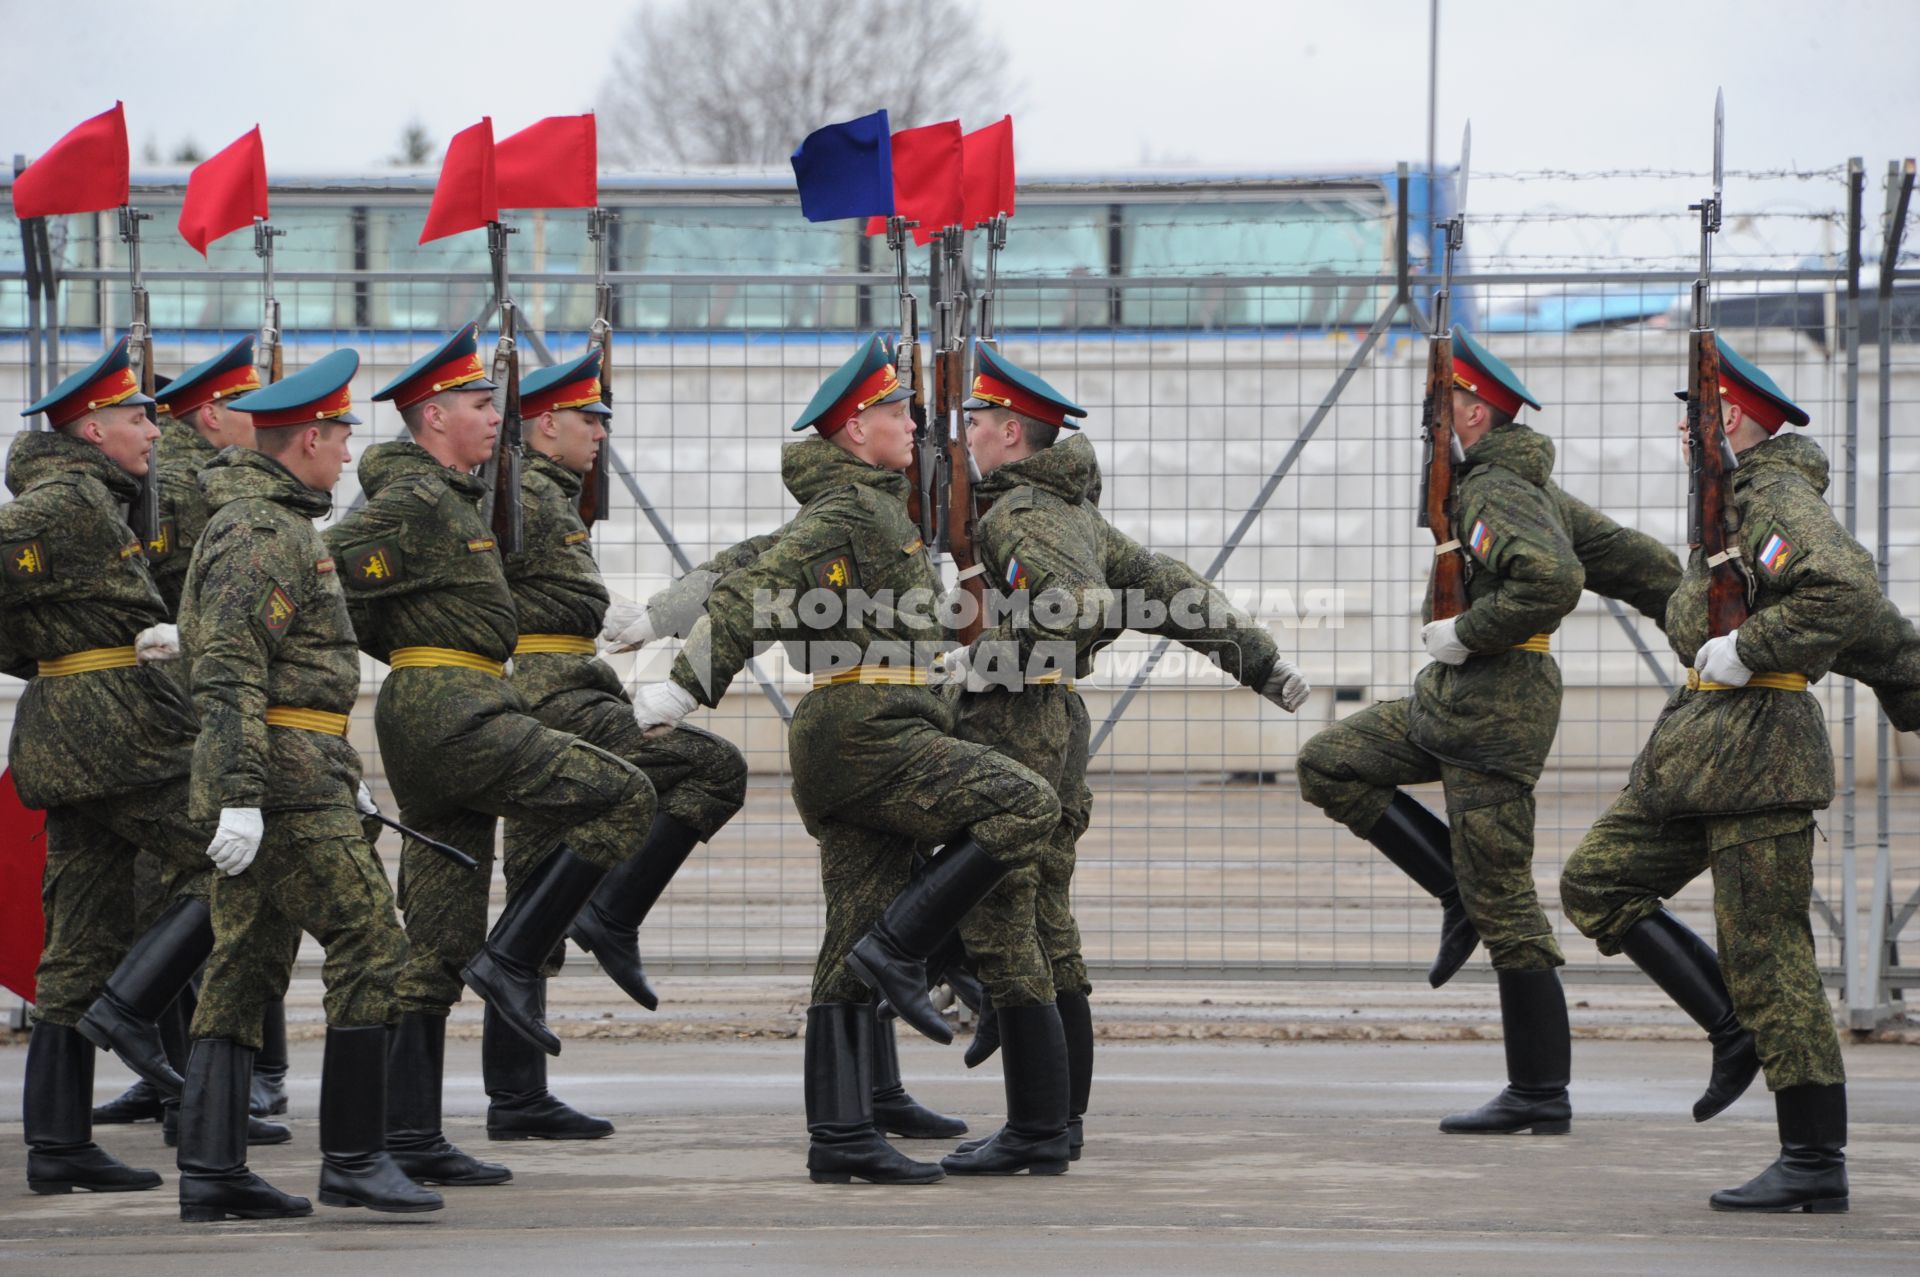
(697, 777)
(1762, 865)
(1351, 770)
(945, 789)
(497, 765)
(1043, 727)
(315, 872)
(89, 894)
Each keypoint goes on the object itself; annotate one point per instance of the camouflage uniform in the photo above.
(460, 746)
(180, 456)
(1483, 728)
(696, 776)
(1729, 780)
(264, 623)
(877, 770)
(105, 753)
(1045, 539)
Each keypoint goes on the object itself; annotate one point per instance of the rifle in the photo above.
(1714, 523)
(952, 381)
(503, 470)
(906, 359)
(145, 514)
(596, 487)
(269, 354)
(1441, 447)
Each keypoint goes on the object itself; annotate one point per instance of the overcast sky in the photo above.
(1101, 84)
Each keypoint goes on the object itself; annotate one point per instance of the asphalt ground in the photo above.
(1253, 1153)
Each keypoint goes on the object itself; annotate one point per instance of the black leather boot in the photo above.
(519, 1106)
(1811, 1172)
(1076, 1022)
(416, 1062)
(843, 1145)
(506, 971)
(124, 1018)
(608, 926)
(260, 1131)
(1034, 1139)
(138, 1103)
(61, 1154)
(1533, 1012)
(1688, 971)
(355, 1167)
(268, 1094)
(215, 1183)
(986, 1033)
(894, 1111)
(1420, 846)
(892, 958)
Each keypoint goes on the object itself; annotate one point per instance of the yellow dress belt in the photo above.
(1778, 682)
(1051, 676)
(417, 658)
(553, 644)
(94, 658)
(897, 675)
(307, 720)
(1538, 643)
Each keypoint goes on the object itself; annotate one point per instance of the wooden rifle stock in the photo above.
(1711, 464)
(1447, 585)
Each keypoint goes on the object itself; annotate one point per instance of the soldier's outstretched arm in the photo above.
(1190, 611)
(756, 605)
(1512, 530)
(1828, 582)
(1621, 562)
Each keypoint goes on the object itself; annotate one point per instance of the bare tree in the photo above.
(698, 82)
(416, 146)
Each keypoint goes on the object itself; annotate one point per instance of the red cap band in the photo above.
(1478, 384)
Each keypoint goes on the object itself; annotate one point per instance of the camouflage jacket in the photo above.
(184, 510)
(1815, 596)
(1044, 541)
(1531, 549)
(72, 578)
(676, 609)
(419, 563)
(557, 588)
(263, 622)
(848, 581)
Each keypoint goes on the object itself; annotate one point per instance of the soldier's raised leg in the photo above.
(1353, 771)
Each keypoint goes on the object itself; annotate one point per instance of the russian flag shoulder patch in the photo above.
(1776, 553)
(1480, 540)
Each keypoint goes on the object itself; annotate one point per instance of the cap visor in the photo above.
(974, 405)
(596, 408)
(899, 393)
(136, 400)
(347, 419)
(482, 384)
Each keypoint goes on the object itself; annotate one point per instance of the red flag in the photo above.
(551, 164)
(84, 172)
(225, 193)
(988, 163)
(466, 196)
(927, 180)
(23, 866)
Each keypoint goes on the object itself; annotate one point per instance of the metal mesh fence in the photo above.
(1276, 411)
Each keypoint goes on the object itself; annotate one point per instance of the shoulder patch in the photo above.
(1017, 576)
(277, 610)
(1775, 553)
(575, 538)
(373, 565)
(1480, 540)
(914, 546)
(132, 548)
(833, 573)
(26, 561)
(480, 545)
(323, 565)
(163, 545)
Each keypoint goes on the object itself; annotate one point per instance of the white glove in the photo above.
(237, 840)
(1440, 643)
(1718, 661)
(157, 643)
(363, 799)
(957, 666)
(1286, 686)
(661, 704)
(627, 626)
